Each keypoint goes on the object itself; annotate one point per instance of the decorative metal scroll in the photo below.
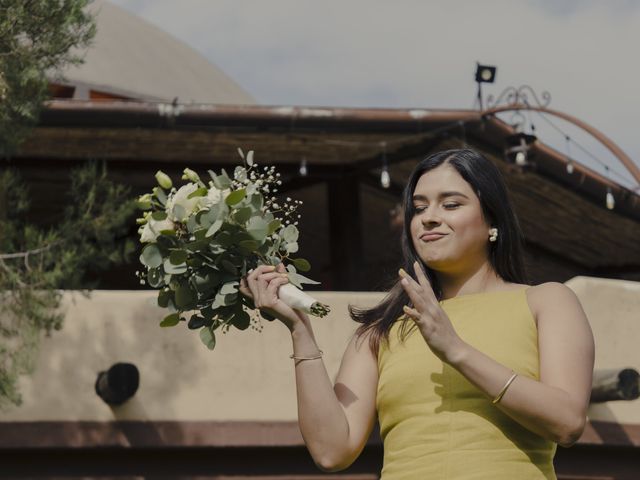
(519, 96)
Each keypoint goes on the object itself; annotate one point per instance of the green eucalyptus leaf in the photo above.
(302, 264)
(224, 239)
(163, 297)
(174, 269)
(170, 320)
(249, 246)
(159, 215)
(214, 228)
(224, 300)
(166, 242)
(199, 192)
(208, 338)
(200, 235)
(229, 287)
(258, 228)
(241, 320)
(192, 224)
(211, 215)
(290, 233)
(179, 212)
(257, 202)
(151, 256)
(273, 226)
(235, 197)
(291, 247)
(267, 316)
(196, 321)
(185, 297)
(229, 267)
(242, 215)
(178, 257)
(160, 195)
(155, 277)
(222, 182)
(293, 278)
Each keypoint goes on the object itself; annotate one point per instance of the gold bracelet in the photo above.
(504, 389)
(295, 357)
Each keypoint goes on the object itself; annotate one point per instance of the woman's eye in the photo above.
(420, 209)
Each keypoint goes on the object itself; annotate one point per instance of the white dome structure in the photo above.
(132, 59)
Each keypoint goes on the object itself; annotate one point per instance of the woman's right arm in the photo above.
(335, 420)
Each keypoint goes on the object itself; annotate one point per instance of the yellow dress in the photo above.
(436, 425)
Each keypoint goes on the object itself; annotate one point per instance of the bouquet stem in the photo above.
(296, 298)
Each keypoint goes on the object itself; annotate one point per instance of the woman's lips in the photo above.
(430, 237)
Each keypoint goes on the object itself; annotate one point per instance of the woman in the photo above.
(472, 373)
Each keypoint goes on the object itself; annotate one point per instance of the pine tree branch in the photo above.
(5, 256)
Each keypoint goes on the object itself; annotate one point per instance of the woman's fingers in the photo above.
(413, 289)
(254, 275)
(272, 289)
(412, 312)
(244, 288)
(265, 294)
(256, 272)
(424, 281)
(250, 284)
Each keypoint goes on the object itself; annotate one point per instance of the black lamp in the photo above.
(484, 74)
(118, 384)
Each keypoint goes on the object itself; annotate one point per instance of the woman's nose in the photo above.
(430, 215)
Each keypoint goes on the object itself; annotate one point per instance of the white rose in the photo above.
(188, 205)
(150, 231)
(214, 196)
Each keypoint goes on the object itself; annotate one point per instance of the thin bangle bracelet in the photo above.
(504, 389)
(295, 357)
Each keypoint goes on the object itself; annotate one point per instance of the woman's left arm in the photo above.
(555, 407)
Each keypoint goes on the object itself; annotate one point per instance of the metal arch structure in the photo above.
(595, 133)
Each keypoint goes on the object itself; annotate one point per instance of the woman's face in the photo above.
(445, 203)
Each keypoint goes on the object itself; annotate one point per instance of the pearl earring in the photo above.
(494, 234)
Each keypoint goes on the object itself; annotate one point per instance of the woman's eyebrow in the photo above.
(442, 195)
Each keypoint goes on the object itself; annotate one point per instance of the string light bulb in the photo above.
(521, 158)
(385, 178)
(303, 167)
(570, 167)
(567, 140)
(611, 202)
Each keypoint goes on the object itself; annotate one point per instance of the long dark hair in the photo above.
(505, 254)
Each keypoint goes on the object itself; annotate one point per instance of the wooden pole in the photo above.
(615, 384)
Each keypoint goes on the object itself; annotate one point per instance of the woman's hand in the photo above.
(433, 322)
(261, 285)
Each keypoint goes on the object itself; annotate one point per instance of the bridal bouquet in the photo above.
(200, 239)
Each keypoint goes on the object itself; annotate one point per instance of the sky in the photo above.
(423, 54)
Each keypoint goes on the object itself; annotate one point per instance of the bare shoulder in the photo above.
(552, 296)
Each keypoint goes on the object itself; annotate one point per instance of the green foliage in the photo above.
(201, 239)
(37, 39)
(37, 264)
